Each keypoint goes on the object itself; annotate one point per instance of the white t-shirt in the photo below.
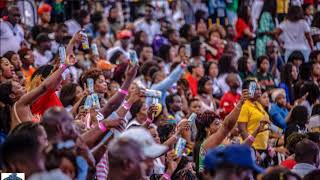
(151, 29)
(294, 34)
(40, 60)
(10, 37)
(73, 26)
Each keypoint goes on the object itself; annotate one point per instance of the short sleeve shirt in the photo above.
(252, 113)
(294, 34)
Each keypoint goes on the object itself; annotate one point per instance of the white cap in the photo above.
(150, 148)
(50, 175)
(314, 122)
(275, 93)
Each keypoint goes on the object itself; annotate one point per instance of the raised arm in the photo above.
(171, 79)
(48, 84)
(116, 100)
(227, 125)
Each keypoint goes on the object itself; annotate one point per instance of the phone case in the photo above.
(88, 103)
(133, 57)
(181, 144)
(95, 101)
(90, 85)
(62, 55)
(94, 48)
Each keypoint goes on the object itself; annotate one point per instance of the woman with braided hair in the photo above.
(211, 131)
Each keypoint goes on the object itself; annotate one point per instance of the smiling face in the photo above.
(7, 69)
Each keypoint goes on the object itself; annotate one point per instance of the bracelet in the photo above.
(251, 138)
(102, 127)
(126, 105)
(124, 92)
(166, 176)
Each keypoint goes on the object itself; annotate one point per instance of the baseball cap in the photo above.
(44, 8)
(42, 37)
(150, 148)
(239, 155)
(276, 93)
(314, 123)
(124, 34)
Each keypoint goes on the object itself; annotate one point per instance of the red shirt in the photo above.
(46, 101)
(289, 163)
(228, 102)
(241, 25)
(193, 84)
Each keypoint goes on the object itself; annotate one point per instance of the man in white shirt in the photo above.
(124, 38)
(11, 33)
(80, 19)
(147, 24)
(42, 54)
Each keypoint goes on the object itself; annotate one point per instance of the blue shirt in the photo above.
(278, 115)
(164, 85)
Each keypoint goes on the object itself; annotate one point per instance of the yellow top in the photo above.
(282, 6)
(252, 113)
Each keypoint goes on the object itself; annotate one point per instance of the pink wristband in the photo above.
(149, 120)
(102, 127)
(124, 92)
(166, 176)
(126, 105)
(63, 66)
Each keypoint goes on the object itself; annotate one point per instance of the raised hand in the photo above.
(118, 124)
(301, 100)
(152, 110)
(77, 38)
(244, 96)
(262, 125)
(131, 72)
(135, 95)
(71, 60)
(172, 161)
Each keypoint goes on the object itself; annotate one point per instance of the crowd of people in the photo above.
(161, 89)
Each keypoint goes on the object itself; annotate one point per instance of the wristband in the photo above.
(149, 120)
(166, 176)
(126, 105)
(63, 66)
(251, 138)
(124, 92)
(102, 127)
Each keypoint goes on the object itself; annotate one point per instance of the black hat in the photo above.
(42, 37)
